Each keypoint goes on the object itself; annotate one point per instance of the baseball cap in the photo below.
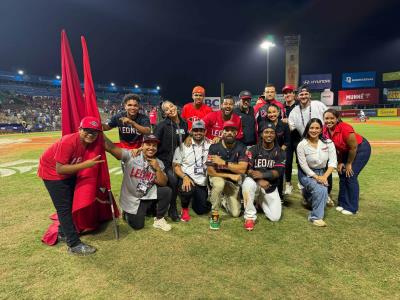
(303, 87)
(151, 138)
(199, 89)
(229, 124)
(288, 88)
(199, 124)
(245, 95)
(91, 123)
(269, 125)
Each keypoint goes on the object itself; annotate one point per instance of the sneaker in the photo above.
(81, 249)
(161, 224)
(249, 225)
(339, 208)
(185, 217)
(215, 222)
(288, 188)
(319, 223)
(347, 212)
(330, 202)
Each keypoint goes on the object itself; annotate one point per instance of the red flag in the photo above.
(72, 105)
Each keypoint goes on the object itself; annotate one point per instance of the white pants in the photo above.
(270, 202)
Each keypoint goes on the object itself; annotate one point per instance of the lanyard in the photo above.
(202, 156)
(302, 118)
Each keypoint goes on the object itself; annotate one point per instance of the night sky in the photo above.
(179, 44)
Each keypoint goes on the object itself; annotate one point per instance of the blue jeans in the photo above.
(349, 190)
(315, 193)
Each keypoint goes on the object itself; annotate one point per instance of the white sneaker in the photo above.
(288, 188)
(347, 212)
(161, 224)
(339, 208)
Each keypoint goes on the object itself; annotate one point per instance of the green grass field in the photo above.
(355, 257)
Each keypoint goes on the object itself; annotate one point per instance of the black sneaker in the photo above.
(81, 249)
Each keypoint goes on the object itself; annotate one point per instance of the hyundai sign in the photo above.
(317, 81)
(356, 80)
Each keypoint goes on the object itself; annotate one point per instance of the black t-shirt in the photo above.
(261, 159)
(248, 126)
(233, 155)
(128, 133)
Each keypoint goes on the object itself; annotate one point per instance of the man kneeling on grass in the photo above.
(226, 163)
(144, 183)
(267, 164)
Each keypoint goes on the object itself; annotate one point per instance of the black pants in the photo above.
(198, 194)
(173, 184)
(62, 195)
(163, 198)
(290, 151)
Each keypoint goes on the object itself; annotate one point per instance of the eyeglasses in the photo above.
(91, 131)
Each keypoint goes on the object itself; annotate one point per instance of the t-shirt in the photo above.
(300, 116)
(192, 160)
(215, 124)
(137, 172)
(261, 159)
(191, 114)
(66, 151)
(233, 155)
(128, 133)
(340, 135)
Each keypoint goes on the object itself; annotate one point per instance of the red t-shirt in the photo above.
(340, 135)
(67, 151)
(191, 114)
(215, 124)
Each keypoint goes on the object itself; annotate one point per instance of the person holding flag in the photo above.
(58, 167)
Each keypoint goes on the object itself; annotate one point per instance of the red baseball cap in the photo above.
(288, 88)
(230, 124)
(91, 123)
(199, 89)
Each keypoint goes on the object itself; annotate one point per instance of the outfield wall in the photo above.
(376, 112)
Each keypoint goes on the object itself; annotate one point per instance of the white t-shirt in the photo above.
(192, 157)
(137, 171)
(299, 116)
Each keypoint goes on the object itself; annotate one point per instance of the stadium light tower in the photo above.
(136, 86)
(20, 72)
(266, 45)
(58, 77)
(112, 84)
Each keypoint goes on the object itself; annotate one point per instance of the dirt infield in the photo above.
(10, 147)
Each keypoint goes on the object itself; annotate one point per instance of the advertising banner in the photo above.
(370, 112)
(349, 113)
(317, 81)
(392, 76)
(292, 44)
(391, 94)
(356, 80)
(359, 97)
(212, 102)
(387, 112)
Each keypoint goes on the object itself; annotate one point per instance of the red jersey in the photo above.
(215, 124)
(340, 135)
(153, 117)
(67, 151)
(191, 114)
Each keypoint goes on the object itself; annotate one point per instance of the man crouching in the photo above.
(144, 183)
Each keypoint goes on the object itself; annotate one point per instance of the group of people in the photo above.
(236, 158)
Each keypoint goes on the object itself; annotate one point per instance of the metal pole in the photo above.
(267, 65)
